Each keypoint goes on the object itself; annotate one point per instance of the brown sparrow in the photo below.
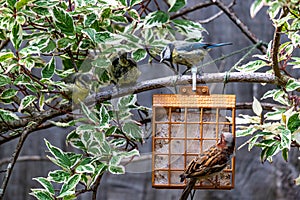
(209, 163)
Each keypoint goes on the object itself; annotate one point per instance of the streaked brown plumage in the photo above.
(209, 163)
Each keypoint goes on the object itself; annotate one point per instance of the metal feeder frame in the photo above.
(173, 148)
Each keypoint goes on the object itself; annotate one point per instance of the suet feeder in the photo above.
(184, 125)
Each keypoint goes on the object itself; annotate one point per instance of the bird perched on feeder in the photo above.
(79, 85)
(209, 163)
(187, 53)
(124, 70)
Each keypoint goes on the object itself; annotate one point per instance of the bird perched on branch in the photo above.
(209, 163)
(187, 53)
(79, 86)
(124, 70)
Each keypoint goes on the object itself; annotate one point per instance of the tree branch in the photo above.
(232, 16)
(172, 81)
(191, 9)
(275, 47)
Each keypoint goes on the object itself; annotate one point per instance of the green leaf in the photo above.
(119, 19)
(286, 139)
(123, 2)
(139, 54)
(59, 176)
(64, 43)
(26, 101)
(11, 3)
(22, 3)
(89, 114)
(255, 7)
(157, 18)
(6, 56)
(134, 14)
(252, 66)
(176, 5)
(64, 160)
(89, 19)
(46, 184)
(293, 123)
(68, 187)
(274, 9)
(63, 21)
(134, 2)
(85, 166)
(104, 116)
(116, 169)
(269, 93)
(8, 115)
(49, 69)
(16, 36)
(193, 30)
(100, 169)
(4, 80)
(256, 107)
(8, 93)
(243, 133)
(133, 131)
(285, 154)
(292, 85)
(41, 194)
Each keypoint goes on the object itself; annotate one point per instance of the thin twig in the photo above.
(3, 43)
(191, 9)
(13, 162)
(232, 16)
(216, 15)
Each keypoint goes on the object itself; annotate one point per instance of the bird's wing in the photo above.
(208, 163)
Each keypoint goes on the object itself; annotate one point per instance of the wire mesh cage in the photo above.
(185, 125)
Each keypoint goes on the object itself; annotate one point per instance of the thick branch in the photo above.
(275, 47)
(172, 81)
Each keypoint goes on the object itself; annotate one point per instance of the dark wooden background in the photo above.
(254, 180)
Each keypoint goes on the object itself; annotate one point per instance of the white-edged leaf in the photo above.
(7, 115)
(26, 101)
(252, 66)
(41, 194)
(255, 7)
(63, 21)
(176, 5)
(292, 85)
(89, 114)
(256, 107)
(116, 169)
(46, 184)
(68, 187)
(6, 56)
(48, 70)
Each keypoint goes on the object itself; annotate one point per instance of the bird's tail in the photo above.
(188, 188)
(209, 46)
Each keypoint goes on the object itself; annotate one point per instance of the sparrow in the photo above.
(208, 163)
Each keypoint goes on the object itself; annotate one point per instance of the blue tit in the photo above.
(79, 86)
(124, 70)
(187, 53)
